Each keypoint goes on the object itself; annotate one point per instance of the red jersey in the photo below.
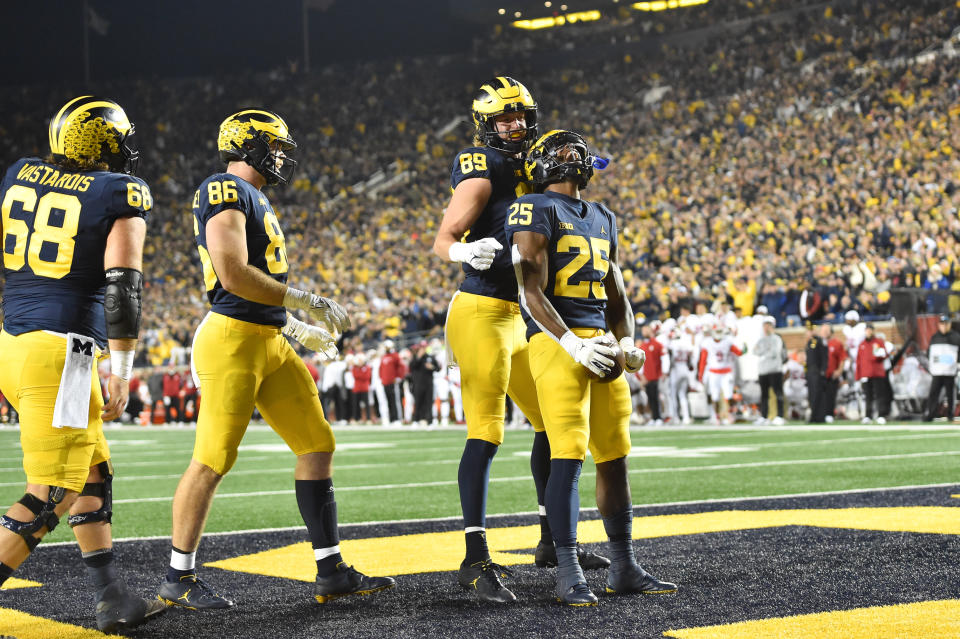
(836, 353)
(171, 384)
(870, 356)
(390, 368)
(361, 378)
(653, 367)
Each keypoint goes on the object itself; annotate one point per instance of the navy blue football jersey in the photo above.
(266, 249)
(582, 235)
(506, 175)
(55, 228)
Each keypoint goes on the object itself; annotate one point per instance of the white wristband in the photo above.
(458, 252)
(570, 343)
(121, 364)
(295, 298)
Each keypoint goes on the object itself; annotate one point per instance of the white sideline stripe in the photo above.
(694, 431)
(386, 522)
(500, 459)
(636, 471)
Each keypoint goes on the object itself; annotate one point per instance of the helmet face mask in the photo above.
(496, 97)
(549, 160)
(90, 130)
(261, 139)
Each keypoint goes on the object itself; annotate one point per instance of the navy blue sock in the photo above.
(315, 498)
(563, 511)
(619, 528)
(473, 477)
(101, 569)
(540, 467)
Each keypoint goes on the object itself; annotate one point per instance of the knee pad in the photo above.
(103, 490)
(43, 512)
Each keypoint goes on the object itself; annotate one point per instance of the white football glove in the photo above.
(592, 353)
(320, 309)
(633, 357)
(316, 338)
(477, 254)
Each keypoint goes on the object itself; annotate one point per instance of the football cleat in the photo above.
(633, 579)
(546, 557)
(117, 609)
(191, 593)
(347, 581)
(484, 577)
(578, 595)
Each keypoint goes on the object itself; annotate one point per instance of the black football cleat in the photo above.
(634, 579)
(578, 595)
(347, 581)
(192, 593)
(117, 609)
(484, 578)
(546, 557)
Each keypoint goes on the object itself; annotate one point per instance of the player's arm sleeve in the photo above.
(703, 364)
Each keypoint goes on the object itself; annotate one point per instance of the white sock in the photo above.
(183, 560)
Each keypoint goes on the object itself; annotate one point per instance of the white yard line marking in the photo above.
(362, 524)
(635, 471)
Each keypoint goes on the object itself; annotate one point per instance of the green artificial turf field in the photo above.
(404, 474)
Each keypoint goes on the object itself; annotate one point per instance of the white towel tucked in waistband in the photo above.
(72, 409)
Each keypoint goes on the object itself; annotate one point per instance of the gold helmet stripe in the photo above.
(56, 126)
(273, 116)
(62, 130)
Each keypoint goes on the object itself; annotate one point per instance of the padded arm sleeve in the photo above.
(122, 302)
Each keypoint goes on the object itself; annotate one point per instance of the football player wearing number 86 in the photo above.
(242, 360)
(565, 254)
(72, 234)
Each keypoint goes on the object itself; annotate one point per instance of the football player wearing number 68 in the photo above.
(242, 360)
(72, 234)
(565, 254)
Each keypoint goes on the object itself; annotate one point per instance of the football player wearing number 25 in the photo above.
(241, 360)
(72, 232)
(565, 253)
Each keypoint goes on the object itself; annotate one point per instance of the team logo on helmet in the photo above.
(89, 130)
(557, 156)
(496, 97)
(262, 140)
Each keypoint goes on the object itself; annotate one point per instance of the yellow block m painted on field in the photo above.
(403, 554)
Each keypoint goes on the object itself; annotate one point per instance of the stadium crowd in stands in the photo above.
(793, 146)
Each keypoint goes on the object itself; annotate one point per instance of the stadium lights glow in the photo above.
(517, 14)
(556, 21)
(548, 4)
(663, 5)
(501, 11)
(563, 7)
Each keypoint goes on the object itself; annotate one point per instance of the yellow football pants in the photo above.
(241, 365)
(29, 379)
(577, 411)
(487, 337)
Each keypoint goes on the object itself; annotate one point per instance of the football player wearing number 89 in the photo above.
(72, 234)
(242, 360)
(565, 253)
(484, 329)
